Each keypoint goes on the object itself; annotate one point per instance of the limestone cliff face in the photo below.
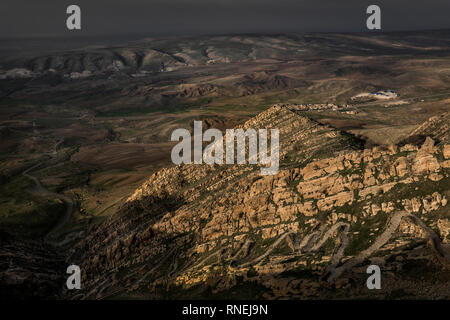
(215, 227)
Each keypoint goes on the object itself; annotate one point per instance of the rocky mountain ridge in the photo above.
(304, 232)
(152, 55)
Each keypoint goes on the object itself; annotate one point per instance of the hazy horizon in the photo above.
(20, 19)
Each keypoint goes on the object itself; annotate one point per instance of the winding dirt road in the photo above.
(42, 191)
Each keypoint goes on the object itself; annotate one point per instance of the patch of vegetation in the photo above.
(397, 294)
(411, 190)
(282, 249)
(72, 175)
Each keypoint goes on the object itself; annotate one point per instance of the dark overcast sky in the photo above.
(25, 18)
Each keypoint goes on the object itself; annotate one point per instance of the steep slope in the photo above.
(198, 230)
(437, 127)
(29, 269)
